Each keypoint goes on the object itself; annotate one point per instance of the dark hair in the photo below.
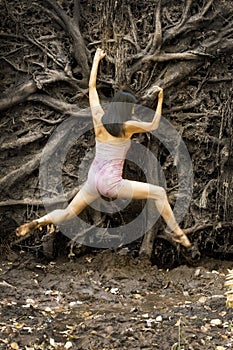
(119, 111)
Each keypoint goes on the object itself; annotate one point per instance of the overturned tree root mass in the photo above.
(184, 46)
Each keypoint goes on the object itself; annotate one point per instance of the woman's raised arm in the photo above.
(93, 95)
(134, 127)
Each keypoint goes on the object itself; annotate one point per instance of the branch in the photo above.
(195, 102)
(221, 42)
(18, 95)
(134, 30)
(59, 11)
(48, 121)
(200, 227)
(206, 7)
(51, 14)
(157, 38)
(24, 91)
(12, 36)
(76, 12)
(60, 106)
(51, 76)
(190, 24)
(72, 28)
(21, 141)
(172, 74)
(186, 12)
(163, 57)
(39, 202)
(205, 193)
(20, 173)
(47, 51)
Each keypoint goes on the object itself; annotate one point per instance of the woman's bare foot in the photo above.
(25, 229)
(182, 239)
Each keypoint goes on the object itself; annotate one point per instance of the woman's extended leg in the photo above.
(140, 190)
(79, 202)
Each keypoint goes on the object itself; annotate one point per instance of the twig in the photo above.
(205, 193)
(6, 284)
(99, 42)
(69, 174)
(48, 121)
(157, 38)
(134, 30)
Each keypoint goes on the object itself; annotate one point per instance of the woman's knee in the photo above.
(159, 193)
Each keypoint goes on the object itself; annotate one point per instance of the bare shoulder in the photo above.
(134, 127)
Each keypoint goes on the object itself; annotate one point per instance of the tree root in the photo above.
(39, 202)
(18, 95)
(201, 227)
(7, 181)
(23, 141)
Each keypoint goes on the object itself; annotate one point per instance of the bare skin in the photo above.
(131, 189)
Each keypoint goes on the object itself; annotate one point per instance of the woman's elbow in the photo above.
(153, 127)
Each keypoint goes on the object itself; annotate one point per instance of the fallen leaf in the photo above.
(202, 300)
(18, 325)
(114, 290)
(159, 319)
(137, 296)
(47, 309)
(52, 342)
(216, 322)
(68, 345)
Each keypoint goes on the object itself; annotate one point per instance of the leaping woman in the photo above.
(113, 132)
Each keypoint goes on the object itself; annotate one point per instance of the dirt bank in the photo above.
(112, 301)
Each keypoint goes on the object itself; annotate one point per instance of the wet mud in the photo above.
(111, 300)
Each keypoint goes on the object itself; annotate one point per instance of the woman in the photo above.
(113, 131)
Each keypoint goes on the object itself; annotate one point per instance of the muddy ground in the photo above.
(109, 300)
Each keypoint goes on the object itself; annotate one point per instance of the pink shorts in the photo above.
(105, 178)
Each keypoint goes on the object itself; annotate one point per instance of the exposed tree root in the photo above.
(18, 95)
(7, 181)
(23, 141)
(39, 202)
